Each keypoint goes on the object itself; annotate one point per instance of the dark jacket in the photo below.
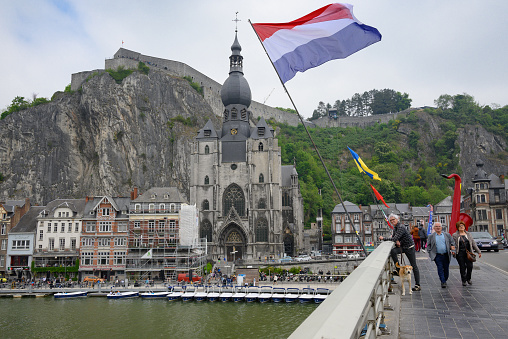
(400, 233)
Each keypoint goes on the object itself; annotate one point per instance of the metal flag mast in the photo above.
(315, 147)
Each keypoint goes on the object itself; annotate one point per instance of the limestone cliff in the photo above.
(105, 138)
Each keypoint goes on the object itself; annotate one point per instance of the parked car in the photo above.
(93, 278)
(353, 255)
(485, 241)
(185, 277)
(303, 257)
(285, 259)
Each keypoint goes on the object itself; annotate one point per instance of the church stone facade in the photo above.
(250, 206)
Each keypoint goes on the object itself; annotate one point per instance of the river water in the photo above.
(138, 318)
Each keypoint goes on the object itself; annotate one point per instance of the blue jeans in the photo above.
(443, 266)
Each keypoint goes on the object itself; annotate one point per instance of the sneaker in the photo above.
(469, 282)
(424, 251)
(443, 285)
(463, 283)
(416, 288)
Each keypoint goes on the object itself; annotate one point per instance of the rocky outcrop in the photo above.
(105, 138)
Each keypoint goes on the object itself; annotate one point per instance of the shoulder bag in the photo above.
(470, 255)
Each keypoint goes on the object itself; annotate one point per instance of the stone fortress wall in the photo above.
(211, 90)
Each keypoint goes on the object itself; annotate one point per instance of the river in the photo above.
(138, 318)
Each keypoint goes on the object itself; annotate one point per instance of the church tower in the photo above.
(237, 181)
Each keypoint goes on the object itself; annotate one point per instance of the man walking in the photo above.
(404, 244)
(440, 247)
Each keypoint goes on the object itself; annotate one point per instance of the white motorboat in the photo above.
(252, 294)
(122, 295)
(154, 295)
(278, 294)
(266, 294)
(239, 294)
(64, 295)
(321, 295)
(307, 295)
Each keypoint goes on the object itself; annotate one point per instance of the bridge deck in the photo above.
(479, 310)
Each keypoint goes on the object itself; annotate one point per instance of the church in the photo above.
(250, 206)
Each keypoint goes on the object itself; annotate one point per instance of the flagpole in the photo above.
(315, 147)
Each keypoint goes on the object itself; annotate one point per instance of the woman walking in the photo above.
(416, 238)
(464, 241)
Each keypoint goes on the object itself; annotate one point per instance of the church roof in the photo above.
(207, 132)
(262, 130)
(236, 89)
(286, 172)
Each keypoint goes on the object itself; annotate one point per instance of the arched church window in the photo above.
(206, 205)
(262, 230)
(261, 178)
(244, 114)
(234, 113)
(206, 230)
(226, 115)
(234, 197)
(207, 180)
(260, 147)
(207, 149)
(262, 204)
(286, 199)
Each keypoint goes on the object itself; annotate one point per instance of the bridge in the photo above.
(367, 304)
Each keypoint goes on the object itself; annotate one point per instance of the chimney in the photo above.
(135, 193)
(87, 198)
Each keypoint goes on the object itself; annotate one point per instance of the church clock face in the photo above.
(234, 131)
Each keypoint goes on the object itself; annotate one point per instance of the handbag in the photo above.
(471, 256)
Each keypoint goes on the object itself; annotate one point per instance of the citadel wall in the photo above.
(211, 91)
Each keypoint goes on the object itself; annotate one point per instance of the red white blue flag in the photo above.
(331, 32)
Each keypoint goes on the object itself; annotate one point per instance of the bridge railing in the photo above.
(359, 301)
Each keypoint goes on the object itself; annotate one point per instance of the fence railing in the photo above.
(358, 303)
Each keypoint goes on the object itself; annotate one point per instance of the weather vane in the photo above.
(236, 22)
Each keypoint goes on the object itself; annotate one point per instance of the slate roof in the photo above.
(120, 204)
(28, 223)
(286, 172)
(351, 208)
(160, 192)
(76, 205)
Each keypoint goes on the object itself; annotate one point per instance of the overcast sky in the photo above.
(429, 47)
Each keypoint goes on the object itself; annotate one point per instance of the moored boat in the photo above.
(226, 295)
(291, 294)
(189, 293)
(200, 295)
(122, 295)
(154, 295)
(239, 294)
(266, 294)
(213, 294)
(321, 295)
(307, 295)
(175, 294)
(252, 294)
(278, 294)
(64, 295)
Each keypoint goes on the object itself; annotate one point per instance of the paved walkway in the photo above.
(479, 310)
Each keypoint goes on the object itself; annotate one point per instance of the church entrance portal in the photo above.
(234, 244)
(289, 241)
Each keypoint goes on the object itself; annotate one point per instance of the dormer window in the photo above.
(208, 132)
(154, 196)
(261, 131)
(166, 196)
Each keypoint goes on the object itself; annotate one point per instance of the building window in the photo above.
(41, 234)
(151, 208)
(103, 258)
(62, 244)
(261, 131)
(119, 258)
(120, 241)
(4, 229)
(172, 208)
(234, 197)
(262, 230)
(286, 199)
(151, 226)
(206, 205)
(500, 230)
(234, 113)
(55, 227)
(2, 261)
(76, 227)
(226, 115)
(136, 224)
(499, 214)
(443, 220)
(137, 208)
(261, 178)
(103, 242)
(62, 227)
(262, 204)
(207, 149)
(20, 244)
(105, 226)
(206, 230)
(122, 226)
(87, 242)
(49, 227)
(69, 227)
(105, 212)
(243, 112)
(208, 132)
(73, 244)
(482, 215)
(162, 225)
(260, 147)
(90, 226)
(172, 225)
(162, 208)
(356, 217)
(483, 228)
(207, 180)
(4, 244)
(87, 258)
(51, 245)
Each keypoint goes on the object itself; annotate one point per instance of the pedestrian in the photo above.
(423, 238)
(416, 238)
(464, 241)
(403, 244)
(440, 246)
